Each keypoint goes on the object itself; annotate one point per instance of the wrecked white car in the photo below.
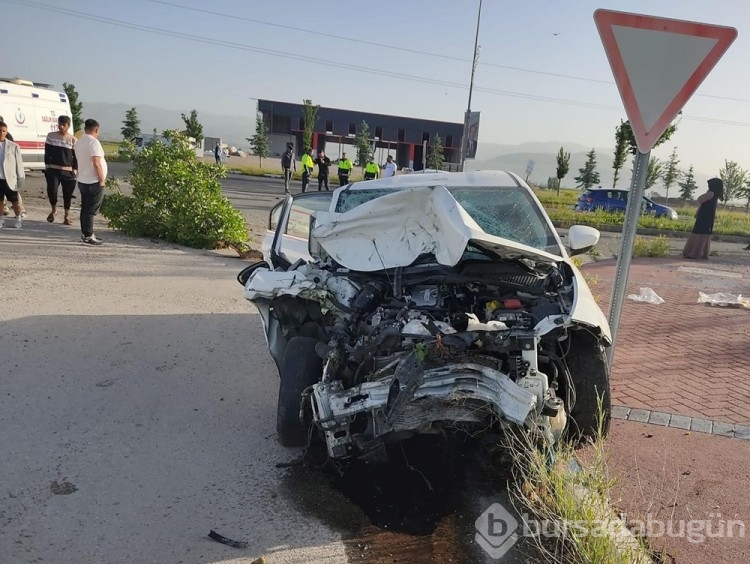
(425, 303)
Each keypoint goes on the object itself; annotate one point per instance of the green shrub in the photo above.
(176, 198)
(651, 246)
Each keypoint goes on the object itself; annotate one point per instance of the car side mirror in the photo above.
(581, 238)
(246, 272)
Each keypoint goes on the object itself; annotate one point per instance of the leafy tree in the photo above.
(734, 178)
(671, 173)
(193, 128)
(744, 193)
(563, 166)
(362, 142)
(76, 107)
(621, 152)
(131, 125)
(653, 174)
(688, 185)
(310, 115)
(435, 157)
(587, 176)
(175, 197)
(259, 142)
(627, 132)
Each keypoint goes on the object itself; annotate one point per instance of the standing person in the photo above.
(390, 167)
(307, 169)
(288, 165)
(61, 167)
(324, 164)
(698, 245)
(218, 153)
(345, 169)
(371, 169)
(12, 176)
(92, 175)
(9, 137)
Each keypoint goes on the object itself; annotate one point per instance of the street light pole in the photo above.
(475, 58)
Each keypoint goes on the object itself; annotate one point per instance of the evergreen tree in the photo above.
(587, 176)
(563, 166)
(193, 128)
(131, 125)
(734, 178)
(362, 142)
(259, 142)
(627, 132)
(310, 115)
(653, 173)
(76, 107)
(435, 157)
(621, 152)
(671, 173)
(688, 185)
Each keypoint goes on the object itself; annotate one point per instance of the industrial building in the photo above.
(335, 131)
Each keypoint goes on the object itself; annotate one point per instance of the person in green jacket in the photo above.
(371, 169)
(307, 169)
(345, 169)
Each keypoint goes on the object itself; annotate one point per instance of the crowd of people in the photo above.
(68, 162)
(313, 158)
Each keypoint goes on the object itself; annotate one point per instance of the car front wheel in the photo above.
(302, 368)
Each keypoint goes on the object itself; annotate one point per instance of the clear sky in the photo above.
(542, 73)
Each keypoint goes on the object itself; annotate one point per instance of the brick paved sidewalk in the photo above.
(682, 357)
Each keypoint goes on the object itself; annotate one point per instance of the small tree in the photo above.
(587, 176)
(131, 125)
(310, 115)
(362, 142)
(435, 157)
(653, 174)
(259, 142)
(193, 128)
(76, 107)
(627, 131)
(734, 178)
(744, 193)
(671, 173)
(563, 166)
(621, 152)
(688, 185)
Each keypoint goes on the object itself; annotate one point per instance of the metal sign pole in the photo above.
(632, 212)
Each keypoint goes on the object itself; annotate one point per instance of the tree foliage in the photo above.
(621, 152)
(175, 197)
(193, 128)
(671, 173)
(362, 142)
(435, 156)
(688, 185)
(131, 125)
(259, 142)
(744, 193)
(627, 132)
(653, 173)
(563, 166)
(76, 107)
(588, 176)
(734, 178)
(310, 115)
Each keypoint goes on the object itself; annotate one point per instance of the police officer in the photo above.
(345, 169)
(307, 168)
(371, 169)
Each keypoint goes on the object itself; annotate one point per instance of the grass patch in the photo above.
(570, 494)
(651, 247)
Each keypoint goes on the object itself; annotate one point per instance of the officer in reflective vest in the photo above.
(307, 169)
(371, 169)
(345, 169)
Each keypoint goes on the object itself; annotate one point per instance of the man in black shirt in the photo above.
(288, 165)
(323, 163)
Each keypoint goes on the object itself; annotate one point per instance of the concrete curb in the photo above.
(656, 232)
(696, 424)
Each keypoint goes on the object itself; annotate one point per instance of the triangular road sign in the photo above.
(658, 64)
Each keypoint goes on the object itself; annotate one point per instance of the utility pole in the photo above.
(475, 58)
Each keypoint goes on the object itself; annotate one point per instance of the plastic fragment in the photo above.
(647, 295)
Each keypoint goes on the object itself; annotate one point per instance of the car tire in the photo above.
(589, 371)
(302, 368)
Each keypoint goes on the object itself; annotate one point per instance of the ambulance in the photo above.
(30, 109)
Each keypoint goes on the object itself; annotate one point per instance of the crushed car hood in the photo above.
(393, 230)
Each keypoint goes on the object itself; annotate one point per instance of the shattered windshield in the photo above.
(507, 212)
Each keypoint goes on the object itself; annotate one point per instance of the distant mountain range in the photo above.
(234, 129)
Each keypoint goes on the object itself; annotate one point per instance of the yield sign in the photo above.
(658, 64)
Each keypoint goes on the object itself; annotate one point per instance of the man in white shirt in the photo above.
(390, 167)
(12, 176)
(92, 175)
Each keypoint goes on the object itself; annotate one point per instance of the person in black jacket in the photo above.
(288, 165)
(323, 163)
(61, 167)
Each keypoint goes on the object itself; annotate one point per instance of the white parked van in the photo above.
(31, 110)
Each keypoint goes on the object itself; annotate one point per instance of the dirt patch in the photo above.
(62, 488)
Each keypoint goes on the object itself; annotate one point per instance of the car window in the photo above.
(298, 224)
(273, 217)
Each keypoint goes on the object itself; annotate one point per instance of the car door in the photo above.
(292, 226)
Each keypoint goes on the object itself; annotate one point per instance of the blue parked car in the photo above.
(609, 199)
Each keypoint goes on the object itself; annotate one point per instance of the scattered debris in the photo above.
(224, 540)
(62, 488)
(647, 295)
(724, 299)
(261, 560)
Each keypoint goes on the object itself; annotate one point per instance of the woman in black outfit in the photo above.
(698, 244)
